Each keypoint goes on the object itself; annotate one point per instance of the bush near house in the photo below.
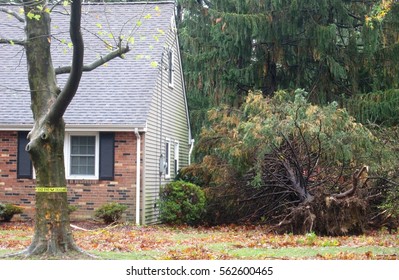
(182, 203)
(7, 211)
(110, 212)
(72, 208)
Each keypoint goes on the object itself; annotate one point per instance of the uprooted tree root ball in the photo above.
(349, 212)
(327, 215)
(332, 214)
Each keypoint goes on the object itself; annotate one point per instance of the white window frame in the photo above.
(176, 157)
(167, 158)
(67, 153)
(171, 70)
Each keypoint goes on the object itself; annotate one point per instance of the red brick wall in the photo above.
(88, 195)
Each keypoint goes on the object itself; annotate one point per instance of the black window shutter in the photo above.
(107, 155)
(24, 164)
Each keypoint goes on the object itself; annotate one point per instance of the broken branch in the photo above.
(72, 84)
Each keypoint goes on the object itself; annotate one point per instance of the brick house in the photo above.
(127, 129)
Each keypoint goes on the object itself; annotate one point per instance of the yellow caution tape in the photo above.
(51, 189)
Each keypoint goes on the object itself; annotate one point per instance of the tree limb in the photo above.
(356, 180)
(97, 63)
(71, 86)
(13, 42)
(12, 13)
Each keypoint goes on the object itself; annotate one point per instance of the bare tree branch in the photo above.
(76, 69)
(12, 13)
(13, 42)
(97, 63)
(71, 86)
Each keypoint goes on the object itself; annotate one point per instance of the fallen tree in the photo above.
(288, 163)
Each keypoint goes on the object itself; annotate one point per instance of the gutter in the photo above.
(138, 168)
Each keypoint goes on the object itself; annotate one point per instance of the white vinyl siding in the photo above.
(167, 121)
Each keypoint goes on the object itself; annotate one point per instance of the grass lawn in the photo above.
(129, 242)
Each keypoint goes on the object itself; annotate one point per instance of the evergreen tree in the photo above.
(327, 47)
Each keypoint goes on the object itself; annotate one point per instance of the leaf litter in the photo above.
(220, 242)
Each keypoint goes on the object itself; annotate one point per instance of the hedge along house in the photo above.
(127, 129)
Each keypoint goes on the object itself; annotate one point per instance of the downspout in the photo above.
(138, 167)
(190, 151)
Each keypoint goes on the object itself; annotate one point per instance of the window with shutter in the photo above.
(87, 156)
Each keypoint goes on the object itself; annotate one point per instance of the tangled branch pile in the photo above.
(291, 164)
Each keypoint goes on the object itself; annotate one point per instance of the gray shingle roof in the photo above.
(117, 94)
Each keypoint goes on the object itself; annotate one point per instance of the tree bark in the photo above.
(297, 187)
(52, 234)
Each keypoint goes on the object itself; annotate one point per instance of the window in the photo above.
(176, 158)
(170, 67)
(167, 159)
(82, 156)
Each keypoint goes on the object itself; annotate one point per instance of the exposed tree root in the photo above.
(15, 255)
(43, 251)
(76, 254)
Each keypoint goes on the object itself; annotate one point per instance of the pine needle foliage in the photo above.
(380, 107)
(243, 136)
(328, 47)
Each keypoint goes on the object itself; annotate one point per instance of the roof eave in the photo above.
(82, 127)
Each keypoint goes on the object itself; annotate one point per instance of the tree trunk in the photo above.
(52, 234)
(52, 229)
(297, 184)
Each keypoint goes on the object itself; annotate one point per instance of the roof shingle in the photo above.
(117, 94)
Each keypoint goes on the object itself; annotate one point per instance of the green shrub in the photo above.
(72, 208)
(7, 211)
(110, 212)
(182, 203)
